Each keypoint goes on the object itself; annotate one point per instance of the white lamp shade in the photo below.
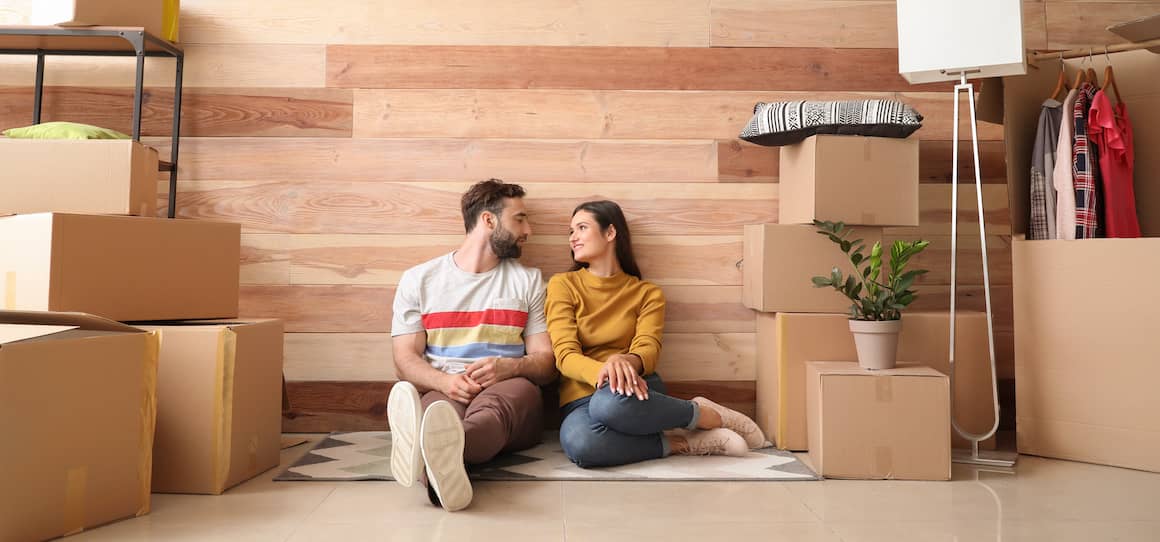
(938, 39)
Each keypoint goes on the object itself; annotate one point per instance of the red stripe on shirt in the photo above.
(497, 317)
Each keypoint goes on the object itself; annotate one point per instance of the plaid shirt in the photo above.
(1083, 168)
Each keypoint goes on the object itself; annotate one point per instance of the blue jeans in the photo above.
(607, 429)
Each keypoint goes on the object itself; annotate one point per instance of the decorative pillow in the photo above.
(63, 130)
(785, 123)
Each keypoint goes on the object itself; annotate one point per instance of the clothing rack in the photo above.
(1090, 51)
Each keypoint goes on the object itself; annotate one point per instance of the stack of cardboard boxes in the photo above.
(115, 383)
(804, 404)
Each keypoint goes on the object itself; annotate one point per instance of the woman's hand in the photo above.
(622, 374)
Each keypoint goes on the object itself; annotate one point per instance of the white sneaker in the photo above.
(442, 440)
(718, 441)
(403, 412)
(737, 422)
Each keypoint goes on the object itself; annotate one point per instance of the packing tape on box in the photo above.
(883, 389)
(148, 418)
(883, 462)
(782, 421)
(223, 408)
(75, 489)
(10, 290)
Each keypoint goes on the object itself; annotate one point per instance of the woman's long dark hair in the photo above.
(608, 213)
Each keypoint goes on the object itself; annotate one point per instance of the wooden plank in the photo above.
(616, 68)
(368, 356)
(937, 258)
(935, 159)
(739, 161)
(322, 407)
(1083, 24)
(445, 22)
(268, 112)
(433, 208)
(390, 208)
(830, 23)
(343, 308)
(793, 23)
(934, 203)
(707, 309)
(333, 308)
(238, 65)
(561, 114)
(938, 111)
(339, 356)
(743, 162)
(381, 259)
(514, 160)
(1034, 24)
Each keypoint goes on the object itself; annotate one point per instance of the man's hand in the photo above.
(488, 371)
(460, 388)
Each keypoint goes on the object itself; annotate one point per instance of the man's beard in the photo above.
(504, 243)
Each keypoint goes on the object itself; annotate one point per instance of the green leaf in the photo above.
(820, 282)
(856, 258)
(845, 246)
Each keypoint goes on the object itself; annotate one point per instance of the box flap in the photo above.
(1143, 29)
(852, 369)
(77, 320)
(10, 333)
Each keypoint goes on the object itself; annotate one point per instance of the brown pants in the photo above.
(506, 417)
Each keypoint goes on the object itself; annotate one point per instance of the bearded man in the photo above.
(471, 350)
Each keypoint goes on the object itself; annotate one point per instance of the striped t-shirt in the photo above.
(468, 316)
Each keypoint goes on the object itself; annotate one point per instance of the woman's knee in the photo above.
(581, 443)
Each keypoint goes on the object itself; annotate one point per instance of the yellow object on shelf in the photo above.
(170, 14)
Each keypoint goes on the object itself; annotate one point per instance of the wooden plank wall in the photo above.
(341, 140)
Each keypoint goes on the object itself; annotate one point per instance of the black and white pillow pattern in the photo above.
(785, 123)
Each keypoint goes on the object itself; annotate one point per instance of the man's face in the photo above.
(512, 230)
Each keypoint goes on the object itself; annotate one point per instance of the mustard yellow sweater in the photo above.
(591, 318)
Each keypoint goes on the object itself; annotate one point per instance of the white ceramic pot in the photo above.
(877, 342)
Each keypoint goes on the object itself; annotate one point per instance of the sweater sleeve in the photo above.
(570, 359)
(650, 323)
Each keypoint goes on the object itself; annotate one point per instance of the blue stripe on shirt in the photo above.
(477, 350)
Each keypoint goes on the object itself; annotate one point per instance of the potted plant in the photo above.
(876, 305)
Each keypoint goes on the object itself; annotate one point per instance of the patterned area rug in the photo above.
(366, 455)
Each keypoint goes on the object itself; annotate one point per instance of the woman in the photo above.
(605, 324)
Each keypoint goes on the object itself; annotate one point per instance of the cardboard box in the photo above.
(780, 260)
(120, 267)
(786, 341)
(149, 14)
(869, 181)
(219, 420)
(77, 413)
(878, 425)
(1085, 358)
(116, 177)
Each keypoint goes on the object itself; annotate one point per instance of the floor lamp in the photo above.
(947, 40)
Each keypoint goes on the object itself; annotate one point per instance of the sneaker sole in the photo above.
(442, 443)
(403, 417)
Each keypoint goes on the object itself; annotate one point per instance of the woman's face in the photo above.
(587, 241)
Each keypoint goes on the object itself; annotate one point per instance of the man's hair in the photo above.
(487, 196)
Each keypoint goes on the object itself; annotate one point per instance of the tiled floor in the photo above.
(1043, 500)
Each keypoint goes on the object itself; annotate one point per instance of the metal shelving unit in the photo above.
(45, 41)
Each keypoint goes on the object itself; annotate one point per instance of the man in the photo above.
(469, 332)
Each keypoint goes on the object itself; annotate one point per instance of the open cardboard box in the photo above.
(77, 407)
(1084, 311)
